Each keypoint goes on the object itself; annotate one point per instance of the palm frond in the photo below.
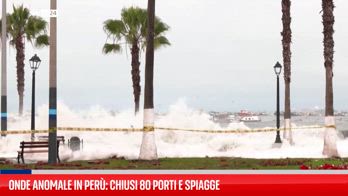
(114, 27)
(132, 28)
(20, 16)
(160, 27)
(111, 48)
(134, 19)
(41, 41)
(34, 27)
(161, 41)
(20, 23)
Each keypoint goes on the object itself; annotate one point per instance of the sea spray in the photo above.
(97, 145)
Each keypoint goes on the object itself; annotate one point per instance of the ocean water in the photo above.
(270, 121)
(97, 145)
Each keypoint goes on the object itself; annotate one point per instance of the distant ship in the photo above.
(246, 116)
(223, 117)
(250, 119)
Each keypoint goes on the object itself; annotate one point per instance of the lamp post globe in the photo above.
(278, 70)
(35, 62)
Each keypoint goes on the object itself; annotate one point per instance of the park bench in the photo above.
(34, 147)
(45, 138)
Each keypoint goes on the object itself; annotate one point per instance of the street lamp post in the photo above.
(34, 65)
(278, 70)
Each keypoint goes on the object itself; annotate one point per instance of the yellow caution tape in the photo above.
(19, 132)
(100, 129)
(150, 129)
(331, 126)
(52, 130)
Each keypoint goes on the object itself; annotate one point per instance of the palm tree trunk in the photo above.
(148, 149)
(136, 74)
(3, 70)
(330, 136)
(20, 57)
(286, 19)
(52, 121)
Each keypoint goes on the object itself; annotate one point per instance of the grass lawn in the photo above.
(190, 163)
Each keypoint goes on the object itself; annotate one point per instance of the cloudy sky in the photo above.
(221, 58)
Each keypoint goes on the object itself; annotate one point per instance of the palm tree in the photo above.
(330, 148)
(148, 149)
(286, 42)
(22, 25)
(131, 30)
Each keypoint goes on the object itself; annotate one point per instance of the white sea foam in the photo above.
(308, 143)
